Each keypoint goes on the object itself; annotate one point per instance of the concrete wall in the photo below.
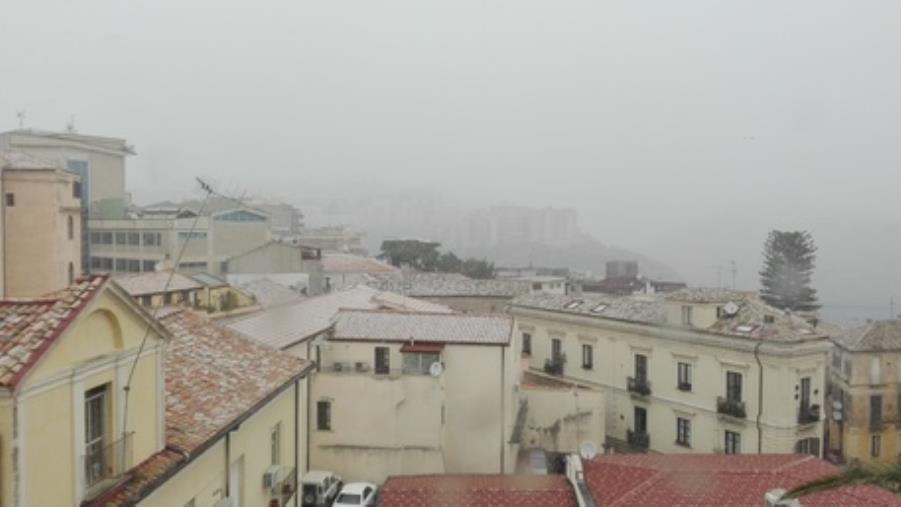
(406, 424)
(38, 248)
(615, 346)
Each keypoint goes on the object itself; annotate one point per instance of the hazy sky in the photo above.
(682, 129)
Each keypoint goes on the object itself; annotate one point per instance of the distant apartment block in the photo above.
(514, 225)
(40, 226)
(697, 370)
(139, 244)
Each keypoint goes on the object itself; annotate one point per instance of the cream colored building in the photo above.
(865, 394)
(208, 415)
(199, 243)
(40, 226)
(696, 371)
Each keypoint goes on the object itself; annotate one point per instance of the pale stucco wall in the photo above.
(615, 346)
(559, 420)
(35, 229)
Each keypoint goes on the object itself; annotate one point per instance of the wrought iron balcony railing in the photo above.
(638, 385)
(732, 408)
(809, 414)
(639, 440)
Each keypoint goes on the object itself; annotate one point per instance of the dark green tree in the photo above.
(885, 476)
(477, 268)
(422, 255)
(448, 262)
(788, 264)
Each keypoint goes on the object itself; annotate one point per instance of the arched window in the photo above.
(71, 273)
(70, 224)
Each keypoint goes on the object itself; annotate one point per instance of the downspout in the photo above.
(759, 396)
(227, 463)
(296, 439)
(3, 259)
(502, 411)
(308, 422)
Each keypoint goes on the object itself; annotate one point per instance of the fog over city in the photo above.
(682, 131)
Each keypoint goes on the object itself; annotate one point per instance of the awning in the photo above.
(433, 348)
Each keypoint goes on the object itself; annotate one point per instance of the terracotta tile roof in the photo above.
(28, 327)
(416, 284)
(875, 335)
(285, 325)
(347, 263)
(716, 480)
(155, 283)
(214, 377)
(422, 327)
(477, 491)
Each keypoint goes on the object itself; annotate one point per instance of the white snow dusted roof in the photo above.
(285, 325)
(422, 327)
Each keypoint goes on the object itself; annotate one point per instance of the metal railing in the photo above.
(106, 461)
(554, 366)
(808, 414)
(639, 440)
(732, 408)
(638, 385)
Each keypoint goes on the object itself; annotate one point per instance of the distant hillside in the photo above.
(586, 255)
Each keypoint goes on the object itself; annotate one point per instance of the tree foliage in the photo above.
(885, 476)
(788, 264)
(424, 256)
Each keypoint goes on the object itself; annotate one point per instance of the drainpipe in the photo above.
(502, 411)
(296, 439)
(227, 463)
(759, 396)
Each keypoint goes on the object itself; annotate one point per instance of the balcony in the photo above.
(731, 408)
(554, 365)
(638, 385)
(638, 440)
(684, 386)
(809, 414)
(105, 463)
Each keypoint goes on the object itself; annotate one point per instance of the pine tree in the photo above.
(788, 263)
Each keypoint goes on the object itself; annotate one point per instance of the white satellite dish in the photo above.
(730, 308)
(587, 450)
(435, 369)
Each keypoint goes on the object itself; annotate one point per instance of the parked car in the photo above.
(357, 494)
(319, 488)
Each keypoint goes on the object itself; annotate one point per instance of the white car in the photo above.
(356, 494)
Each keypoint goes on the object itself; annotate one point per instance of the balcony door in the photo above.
(382, 361)
(641, 420)
(805, 394)
(641, 368)
(95, 421)
(733, 386)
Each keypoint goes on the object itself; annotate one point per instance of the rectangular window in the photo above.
(323, 415)
(641, 420)
(106, 238)
(875, 445)
(382, 361)
(134, 238)
(808, 446)
(167, 298)
(587, 356)
(275, 444)
(134, 266)
(527, 344)
(95, 238)
(836, 361)
(684, 376)
(733, 442)
(121, 238)
(10, 199)
(95, 421)
(147, 301)
(76, 189)
(121, 265)
(733, 386)
(683, 431)
(148, 266)
(184, 236)
(152, 239)
(686, 315)
(805, 394)
(418, 363)
(876, 410)
(556, 349)
(641, 368)
(191, 266)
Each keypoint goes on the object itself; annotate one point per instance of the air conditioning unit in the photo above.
(361, 367)
(273, 476)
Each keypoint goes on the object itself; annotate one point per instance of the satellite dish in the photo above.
(436, 369)
(730, 308)
(587, 450)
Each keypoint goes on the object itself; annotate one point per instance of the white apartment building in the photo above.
(138, 244)
(697, 370)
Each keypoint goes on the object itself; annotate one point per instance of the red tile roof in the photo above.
(28, 327)
(214, 377)
(716, 480)
(477, 491)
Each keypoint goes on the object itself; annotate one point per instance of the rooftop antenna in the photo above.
(70, 125)
(891, 306)
(733, 270)
(20, 115)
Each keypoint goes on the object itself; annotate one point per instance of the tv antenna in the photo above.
(20, 115)
(733, 269)
(70, 125)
